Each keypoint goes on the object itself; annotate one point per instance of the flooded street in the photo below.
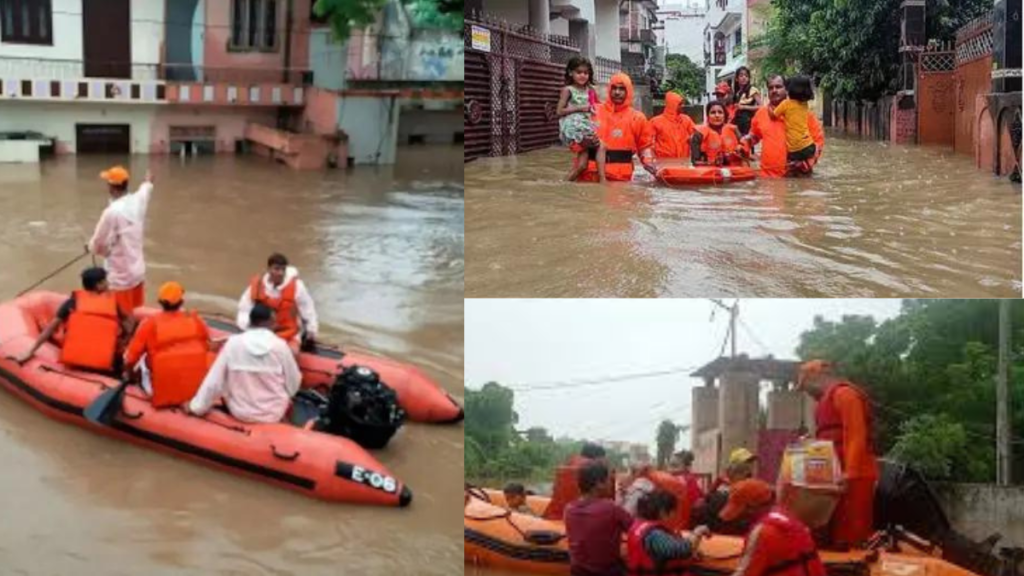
(381, 250)
(876, 220)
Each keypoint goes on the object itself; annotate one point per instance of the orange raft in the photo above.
(422, 399)
(514, 542)
(313, 463)
(698, 175)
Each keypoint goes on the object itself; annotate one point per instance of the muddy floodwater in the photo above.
(382, 252)
(876, 220)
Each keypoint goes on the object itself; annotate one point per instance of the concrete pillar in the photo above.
(737, 412)
(581, 32)
(540, 15)
(785, 409)
(809, 406)
(704, 407)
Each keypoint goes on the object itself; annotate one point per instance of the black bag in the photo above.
(362, 408)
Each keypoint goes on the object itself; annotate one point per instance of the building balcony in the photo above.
(235, 86)
(643, 36)
(45, 79)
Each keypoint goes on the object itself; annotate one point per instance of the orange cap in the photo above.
(746, 494)
(723, 88)
(115, 175)
(171, 292)
(812, 369)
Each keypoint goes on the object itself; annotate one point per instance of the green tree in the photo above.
(852, 47)
(683, 76)
(344, 16)
(667, 437)
(490, 418)
(940, 449)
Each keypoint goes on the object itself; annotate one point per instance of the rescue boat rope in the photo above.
(54, 273)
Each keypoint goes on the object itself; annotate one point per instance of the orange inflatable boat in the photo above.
(698, 175)
(313, 463)
(422, 399)
(510, 541)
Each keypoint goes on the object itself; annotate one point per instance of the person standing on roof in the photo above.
(844, 417)
(281, 289)
(119, 238)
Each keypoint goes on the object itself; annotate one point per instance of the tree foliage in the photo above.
(666, 439)
(935, 361)
(852, 46)
(344, 16)
(682, 75)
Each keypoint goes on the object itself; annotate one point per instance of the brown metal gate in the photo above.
(512, 84)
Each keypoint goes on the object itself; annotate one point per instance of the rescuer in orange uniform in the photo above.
(716, 142)
(95, 327)
(566, 487)
(772, 135)
(672, 129)
(844, 416)
(623, 131)
(176, 344)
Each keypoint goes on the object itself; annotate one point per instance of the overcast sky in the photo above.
(523, 343)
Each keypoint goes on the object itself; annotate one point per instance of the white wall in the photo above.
(365, 120)
(607, 29)
(58, 120)
(67, 45)
(147, 22)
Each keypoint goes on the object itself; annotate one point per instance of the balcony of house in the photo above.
(641, 35)
(50, 79)
(235, 85)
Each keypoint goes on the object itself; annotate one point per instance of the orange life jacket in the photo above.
(285, 308)
(179, 358)
(715, 145)
(792, 552)
(566, 487)
(672, 129)
(829, 423)
(90, 340)
(680, 519)
(624, 132)
(640, 563)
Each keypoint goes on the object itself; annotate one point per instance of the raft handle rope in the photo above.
(537, 537)
(287, 457)
(54, 273)
(105, 386)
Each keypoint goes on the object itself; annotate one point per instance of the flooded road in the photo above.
(876, 220)
(381, 250)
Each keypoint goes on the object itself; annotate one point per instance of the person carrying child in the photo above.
(577, 105)
(794, 112)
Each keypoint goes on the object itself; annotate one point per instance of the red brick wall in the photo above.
(972, 80)
(936, 101)
(903, 125)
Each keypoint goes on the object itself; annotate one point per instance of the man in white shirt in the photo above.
(255, 373)
(119, 238)
(281, 289)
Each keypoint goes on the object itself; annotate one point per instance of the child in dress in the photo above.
(793, 111)
(577, 105)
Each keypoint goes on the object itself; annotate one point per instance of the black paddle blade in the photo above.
(104, 408)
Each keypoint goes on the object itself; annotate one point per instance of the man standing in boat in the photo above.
(255, 373)
(281, 289)
(844, 417)
(119, 237)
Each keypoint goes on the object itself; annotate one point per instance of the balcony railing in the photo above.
(645, 36)
(604, 68)
(235, 75)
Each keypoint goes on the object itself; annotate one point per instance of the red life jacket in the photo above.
(639, 562)
(286, 311)
(715, 145)
(829, 423)
(793, 552)
(680, 518)
(90, 339)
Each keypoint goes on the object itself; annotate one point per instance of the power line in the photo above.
(558, 385)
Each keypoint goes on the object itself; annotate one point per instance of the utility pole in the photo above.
(734, 311)
(1002, 398)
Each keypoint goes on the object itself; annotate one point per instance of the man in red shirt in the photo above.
(594, 526)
